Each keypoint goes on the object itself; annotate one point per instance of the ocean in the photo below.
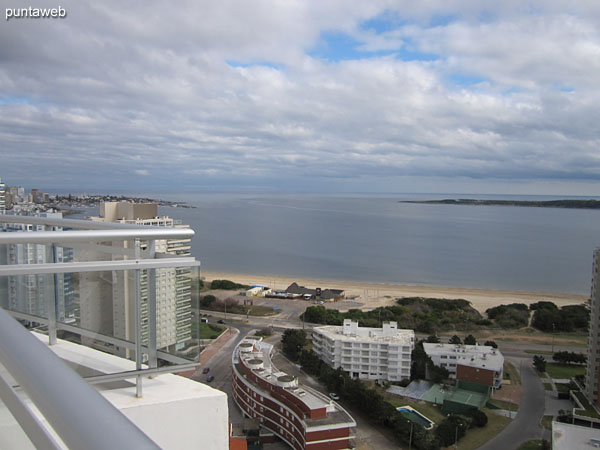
(375, 238)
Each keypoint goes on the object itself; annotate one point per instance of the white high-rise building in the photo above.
(366, 353)
(2, 197)
(29, 293)
(109, 307)
(592, 375)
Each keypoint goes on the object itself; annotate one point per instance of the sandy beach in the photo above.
(381, 294)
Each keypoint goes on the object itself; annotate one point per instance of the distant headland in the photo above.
(572, 204)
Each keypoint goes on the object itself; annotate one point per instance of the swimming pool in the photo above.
(415, 416)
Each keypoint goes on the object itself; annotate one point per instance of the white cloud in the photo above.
(229, 90)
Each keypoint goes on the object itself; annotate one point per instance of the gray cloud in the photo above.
(153, 96)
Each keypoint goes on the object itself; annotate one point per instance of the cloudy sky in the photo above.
(325, 96)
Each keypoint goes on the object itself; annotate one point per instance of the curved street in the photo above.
(526, 424)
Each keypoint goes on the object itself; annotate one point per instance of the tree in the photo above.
(292, 342)
(470, 340)
(455, 340)
(491, 344)
(207, 301)
(539, 362)
(433, 339)
(438, 374)
(451, 428)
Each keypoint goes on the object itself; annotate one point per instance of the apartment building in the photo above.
(479, 364)
(366, 353)
(109, 307)
(30, 294)
(3, 194)
(592, 375)
(300, 416)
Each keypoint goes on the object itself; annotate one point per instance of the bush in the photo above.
(207, 301)
(491, 344)
(480, 419)
(226, 285)
(539, 362)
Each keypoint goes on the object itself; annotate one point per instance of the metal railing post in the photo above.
(138, 322)
(152, 336)
(51, 303)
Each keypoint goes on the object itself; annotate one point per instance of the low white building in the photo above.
(366, 353)
(480, 364)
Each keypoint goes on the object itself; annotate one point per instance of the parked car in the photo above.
(334, 397)
(206, 370)
(209, 378)
(221, 321)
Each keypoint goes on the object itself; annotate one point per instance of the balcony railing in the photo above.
(41, 374)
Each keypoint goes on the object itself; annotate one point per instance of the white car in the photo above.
(334, 397)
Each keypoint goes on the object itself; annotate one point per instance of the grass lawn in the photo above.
(476, 437)
(539, 352)
(562, 387)
(564, 370)
(202, 330)
(512, 374)
(548, 386)
(547, 422)
(429, 410)
(508, 406)
(531, 445)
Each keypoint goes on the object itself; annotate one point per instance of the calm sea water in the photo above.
(378, 239)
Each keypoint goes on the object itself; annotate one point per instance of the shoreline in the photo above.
(373, 295)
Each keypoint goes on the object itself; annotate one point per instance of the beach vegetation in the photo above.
(514, 315)
(227, 285)
(549, 318)
(424, 315)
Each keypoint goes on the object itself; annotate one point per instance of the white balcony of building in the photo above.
(56, 391)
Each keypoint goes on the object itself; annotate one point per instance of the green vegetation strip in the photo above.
(511, 372)
(564, 370)
(547, 422)
(206, 330)
(531, 445)
(508, 406)
(548, 386)
(539, 352)
(589, 411)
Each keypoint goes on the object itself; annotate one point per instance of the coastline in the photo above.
(373, 295)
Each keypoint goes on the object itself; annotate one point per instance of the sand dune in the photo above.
(380, 294)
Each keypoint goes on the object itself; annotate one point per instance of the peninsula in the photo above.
(572, 204)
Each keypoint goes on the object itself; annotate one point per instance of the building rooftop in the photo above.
(566, 436)
(350, 331)
(481, 356)
(257, 356)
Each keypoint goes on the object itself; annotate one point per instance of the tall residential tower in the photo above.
(592, 376)
(108, 305)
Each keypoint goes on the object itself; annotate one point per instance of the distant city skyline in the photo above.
(469, 97)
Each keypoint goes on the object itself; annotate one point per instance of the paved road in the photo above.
(526, 424)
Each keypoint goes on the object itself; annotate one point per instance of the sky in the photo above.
(303, 96)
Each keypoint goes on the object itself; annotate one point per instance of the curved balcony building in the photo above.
(299, 415)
